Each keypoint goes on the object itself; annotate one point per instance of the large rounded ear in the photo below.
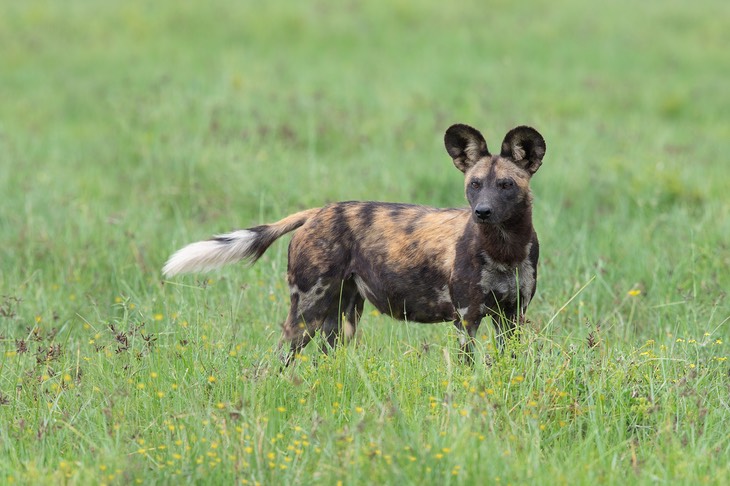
(525, 147)
(465, 145)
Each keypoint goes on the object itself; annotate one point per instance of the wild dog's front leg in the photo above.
(506, 320)
(467, 333)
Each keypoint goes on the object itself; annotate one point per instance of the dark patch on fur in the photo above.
(491, 175)
(229, 239)
(339, 221)
(412, 225)
(366, 214)
(394, 212)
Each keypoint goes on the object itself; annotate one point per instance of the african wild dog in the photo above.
(411, 262)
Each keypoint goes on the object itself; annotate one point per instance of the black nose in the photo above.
(483, 212)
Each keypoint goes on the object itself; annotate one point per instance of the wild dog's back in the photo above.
(399, 255)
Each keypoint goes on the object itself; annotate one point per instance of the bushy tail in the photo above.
(248, 244)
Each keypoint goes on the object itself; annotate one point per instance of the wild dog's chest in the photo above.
(478, 281)
(506, 283)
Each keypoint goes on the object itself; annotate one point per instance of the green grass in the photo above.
(128, 129)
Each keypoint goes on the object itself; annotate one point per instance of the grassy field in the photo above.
(128, 129)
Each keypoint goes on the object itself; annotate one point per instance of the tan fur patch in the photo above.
(415, 236)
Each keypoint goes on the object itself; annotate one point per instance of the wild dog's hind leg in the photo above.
(307, 314)
(343, 315)
(353, 312)
(296, 332)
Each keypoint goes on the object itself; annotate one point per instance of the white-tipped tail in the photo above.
(248, 244)
(210, 254)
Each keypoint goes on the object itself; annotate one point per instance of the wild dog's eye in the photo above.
(475, 184)
(506, 184)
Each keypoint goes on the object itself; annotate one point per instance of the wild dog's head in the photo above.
(497, 186)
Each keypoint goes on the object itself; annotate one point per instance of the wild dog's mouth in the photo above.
(486, 221)
(479, 220)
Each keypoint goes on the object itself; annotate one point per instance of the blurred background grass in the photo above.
(128, 129)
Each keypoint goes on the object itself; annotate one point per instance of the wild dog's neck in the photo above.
(508, 242)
